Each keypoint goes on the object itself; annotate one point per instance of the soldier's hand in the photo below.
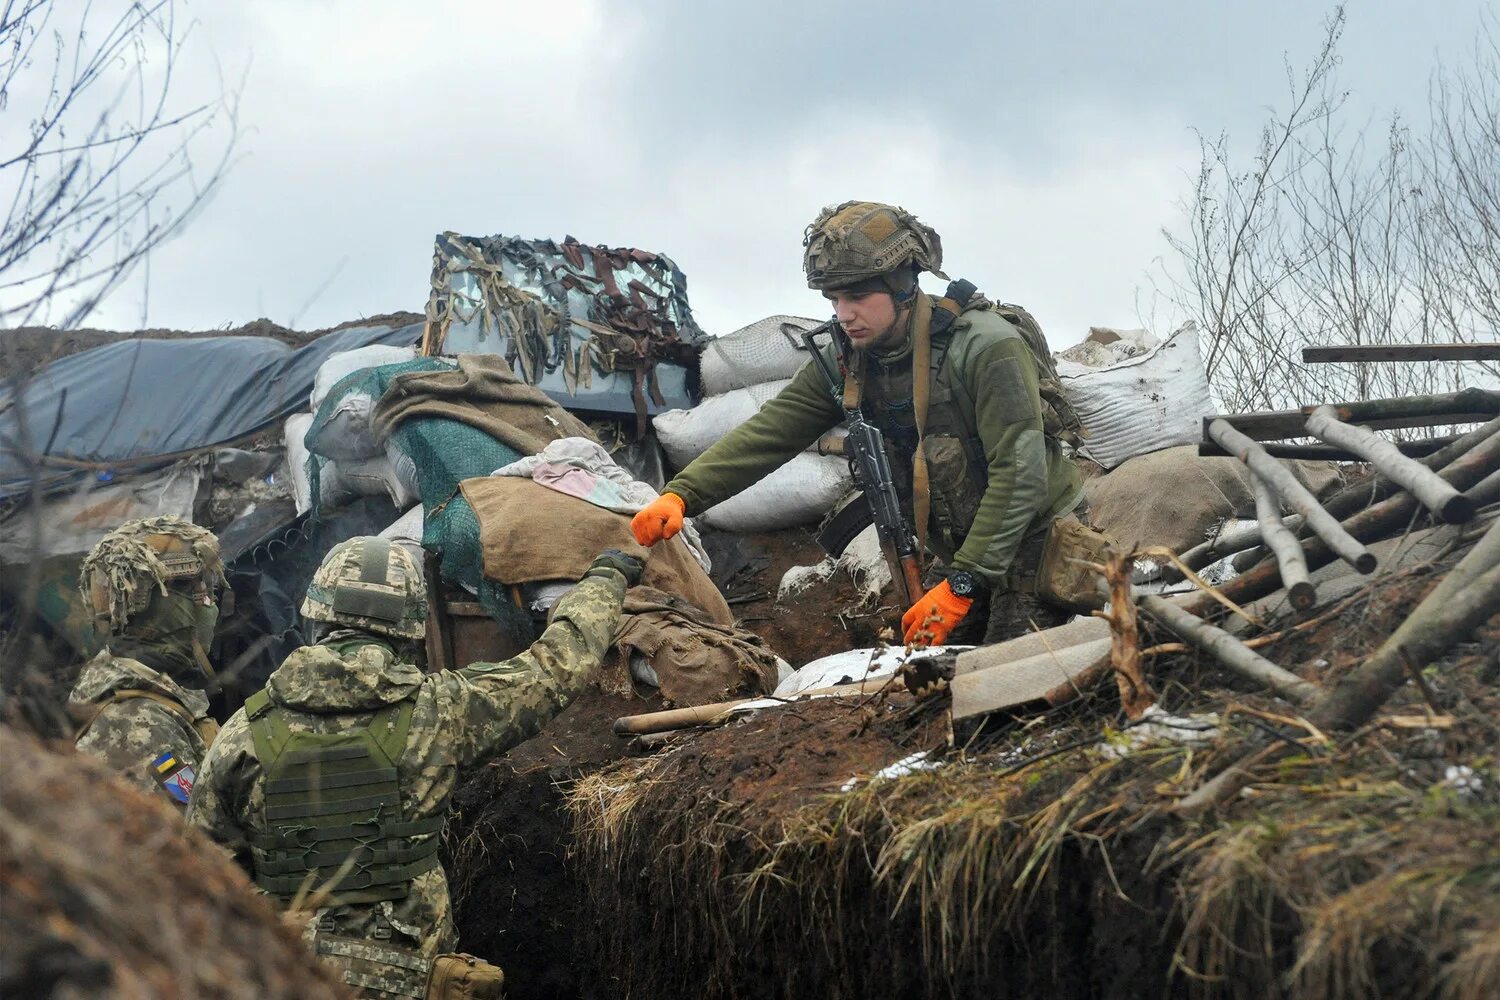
(658, 520)
(928, 622)
(629, 566)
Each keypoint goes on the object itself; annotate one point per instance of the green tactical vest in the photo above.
(957, 467)
(333, 809)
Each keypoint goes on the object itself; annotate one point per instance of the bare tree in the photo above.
(102, 157)
(1330, 237)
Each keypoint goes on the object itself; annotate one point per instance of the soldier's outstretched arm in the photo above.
(497, 705)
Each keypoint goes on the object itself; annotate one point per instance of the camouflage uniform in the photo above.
(459, 718)
(139, 703)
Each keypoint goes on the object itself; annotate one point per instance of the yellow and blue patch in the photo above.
(174, 776)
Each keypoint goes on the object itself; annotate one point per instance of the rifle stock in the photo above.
(871, 466)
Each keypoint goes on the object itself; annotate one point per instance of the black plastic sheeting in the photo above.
(135, 400)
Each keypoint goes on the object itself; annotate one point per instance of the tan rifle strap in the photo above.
(921, 388)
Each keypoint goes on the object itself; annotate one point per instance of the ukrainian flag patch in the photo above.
(174, 776)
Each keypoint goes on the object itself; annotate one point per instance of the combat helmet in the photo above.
(861, 242)
(147, 556)
(368, 583)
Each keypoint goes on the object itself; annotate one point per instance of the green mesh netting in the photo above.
(445, 452)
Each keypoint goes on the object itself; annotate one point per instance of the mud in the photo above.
(104, 892)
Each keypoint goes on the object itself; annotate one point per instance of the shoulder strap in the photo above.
(390, 733)
(267, 728)
(207, 729)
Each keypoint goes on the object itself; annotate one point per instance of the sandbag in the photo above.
(686, 434)
(1175, 497)
(1142, 404)
(346, 363)
(347, 435)
(343, 481)
(800, 492)
(293, 432)
(765, 351)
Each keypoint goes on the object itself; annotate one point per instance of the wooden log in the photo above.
(1424, 484)
(1289, 556)
(1341, 505)
(1230, 651)
(1472, 405)
(1466, 597)
(1382, 520)
(1327, 453)
(702, 715)
(1400, 352)
(1295, 494)
(1486, 492)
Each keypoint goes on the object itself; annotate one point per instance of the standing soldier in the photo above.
(973, 416)
(152, 586)
(332, 783)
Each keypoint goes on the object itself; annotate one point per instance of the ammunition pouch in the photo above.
(1065, 574)
(374, 967)
(463, 977)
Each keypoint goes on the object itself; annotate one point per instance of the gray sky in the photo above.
(1047, 143)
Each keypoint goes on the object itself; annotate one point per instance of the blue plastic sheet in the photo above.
(132, 401)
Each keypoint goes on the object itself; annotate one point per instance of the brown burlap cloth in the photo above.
(484, 393)
(676, 618)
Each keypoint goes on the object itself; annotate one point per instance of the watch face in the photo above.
(961, 584)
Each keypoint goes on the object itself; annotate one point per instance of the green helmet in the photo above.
(147, 556)
(861, 241)
(368, 583)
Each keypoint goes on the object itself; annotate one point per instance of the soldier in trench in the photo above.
(981, 448)
(332, 783)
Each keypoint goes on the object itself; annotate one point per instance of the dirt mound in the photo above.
(105, 893)
(1044, 856)
(30, 347)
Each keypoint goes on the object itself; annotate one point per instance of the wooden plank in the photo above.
(1027, 680)
(1401, 352)
(1031, 644)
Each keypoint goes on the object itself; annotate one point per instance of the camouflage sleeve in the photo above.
(1000, 377)
(147, 745)
(497, 705)
(221, 794)
(785, 425)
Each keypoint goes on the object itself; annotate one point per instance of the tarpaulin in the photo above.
(135, 400)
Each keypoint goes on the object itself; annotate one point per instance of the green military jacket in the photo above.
(460, 718)
(142, 723)
(988, 494)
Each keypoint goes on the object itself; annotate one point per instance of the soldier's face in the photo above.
(870, 319)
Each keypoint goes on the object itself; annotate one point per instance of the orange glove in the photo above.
(658, 520)
(928, 622)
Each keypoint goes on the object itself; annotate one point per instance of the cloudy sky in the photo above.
(1047, 142)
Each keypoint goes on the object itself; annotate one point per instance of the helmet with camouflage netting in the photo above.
(861, 242)
(147, 556)
(368, 583)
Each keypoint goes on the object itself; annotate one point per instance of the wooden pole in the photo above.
(1401, 352)
(1294, 493)
(1230, 651)
(1424, 484)
(1289, 555)
(1471, 405)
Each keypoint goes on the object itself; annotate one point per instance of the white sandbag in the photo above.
(1141, 404)
(686, 434)
(404, 470)
(348, 362)
(293, 431)
(800, 492)
(347, 435)
(764, 351)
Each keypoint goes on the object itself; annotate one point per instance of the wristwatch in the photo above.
(964, 584)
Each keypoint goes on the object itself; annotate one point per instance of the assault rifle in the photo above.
(865, 448)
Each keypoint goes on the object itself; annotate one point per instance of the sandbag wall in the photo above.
(740, 373)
